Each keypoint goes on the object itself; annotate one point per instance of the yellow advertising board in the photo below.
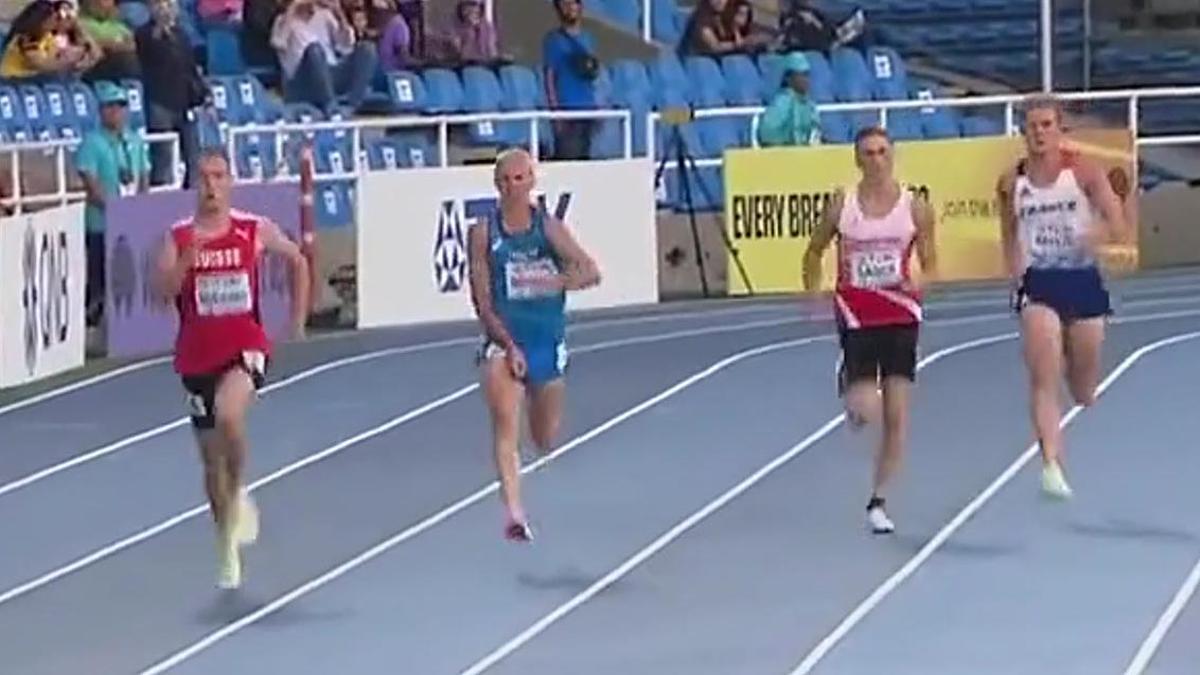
(774, 199)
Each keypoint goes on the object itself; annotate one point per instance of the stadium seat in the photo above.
(668, 75)
(705, 81)
(406, 92)
(333, 204)
(444, 91)
(665, 25)
(889, 77)
(224, 51)
(743, 82)
(137, 109)
(37, 116)
(625, 13)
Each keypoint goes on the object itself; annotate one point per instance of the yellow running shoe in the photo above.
(245, 526)
(1054, 483)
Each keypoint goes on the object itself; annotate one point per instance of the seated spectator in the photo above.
(220, 12)
(709, 31)
(102, 23)
(320, 57)
(792, 117)
(413, 12)
(45, 43)
(113, 162)
(472, 37)
(173, 86)
(258, 18)
(569, 58)
(395, 36)
(741, 22)
(804, 27)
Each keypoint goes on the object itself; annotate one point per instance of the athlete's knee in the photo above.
(230, 422)
(1084, 395)
(544, 434)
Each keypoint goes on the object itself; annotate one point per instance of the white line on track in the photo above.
(504, 650)
(887, 587)
(154, 530)
(1149, 646)
(469, 500)
(81, 384)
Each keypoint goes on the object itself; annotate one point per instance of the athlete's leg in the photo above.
(545, 413)
(235, 394)
(503, 394)
(212, 455)
(1084, 338)
(895, 432)
(1043, 346)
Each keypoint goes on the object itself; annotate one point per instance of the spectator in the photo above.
(741, 21)
(220, 12)
(321, 59)
(39, 45)
(568, 56)
(173, 86)
(472, 37)
(395, 36)
(102, 23)
(258, 18)
(806, 28)
(791, 118)
(710, 31)
(113, 162)
(413, 12)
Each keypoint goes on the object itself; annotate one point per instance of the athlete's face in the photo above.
(1043, 130)
(514, 178)
(215, 184)
(874, 155)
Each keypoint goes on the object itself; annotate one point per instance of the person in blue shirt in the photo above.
(522, 262)
(792, 117)
(113, 162)
(572, 68)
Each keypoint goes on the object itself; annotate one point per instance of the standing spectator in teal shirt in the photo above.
(791, 118)
(113, 162)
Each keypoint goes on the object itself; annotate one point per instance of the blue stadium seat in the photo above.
(12, 115)
(256, 155)
(705, 81)
(889, 77)
(664, 22)
(406, 92)
(137, 107)
(835, 128)
(61, 113)
(937, 122)
(631, 91)
(224, 98)
(668, 75)
(444, 91)
(83, 103)
(625, 13)
(37, 116)
(482, 93)
(334, 207)
(224, 51)
(905, 125)
(743, 81)
(978, 125)
(251, 99)
(383, 152)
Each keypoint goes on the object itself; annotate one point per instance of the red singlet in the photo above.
(218, 302)
(874, 278)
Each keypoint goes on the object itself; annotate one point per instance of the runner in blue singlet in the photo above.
(1056, 211)
(522, 264)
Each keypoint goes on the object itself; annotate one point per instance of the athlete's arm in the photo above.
(172, 267)
(581, 270)
(1095, 184)
(1008, 224)
(274, 241)
(481, 289)
(820, 240)
(925, 218)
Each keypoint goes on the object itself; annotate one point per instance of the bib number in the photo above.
(222, 294)
(529, 279)
(875, 269)
(1051, 239)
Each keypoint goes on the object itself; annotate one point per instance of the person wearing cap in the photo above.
(113, 161)
(792, 117)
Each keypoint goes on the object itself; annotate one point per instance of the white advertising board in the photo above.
(43, 274)
(412, 236)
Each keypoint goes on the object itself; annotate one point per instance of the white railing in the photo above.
(357, 127)
(60, 148)
(1009, 101)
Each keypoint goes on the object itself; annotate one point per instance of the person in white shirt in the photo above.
(320, 58)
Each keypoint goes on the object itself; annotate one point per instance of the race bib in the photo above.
(875, 269)
(223, 293)
(529, 279)
(1052, 239)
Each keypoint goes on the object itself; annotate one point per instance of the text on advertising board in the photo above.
(46, 297)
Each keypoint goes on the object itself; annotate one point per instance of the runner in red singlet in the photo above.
(209, 267)
(877, 302)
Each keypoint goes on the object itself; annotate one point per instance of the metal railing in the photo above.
(1010, 102)
(19, 201)
(356, 128)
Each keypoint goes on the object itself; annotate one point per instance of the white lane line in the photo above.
(866, 606)
(138, 537)
(504, 650)
(465, 502)
(81, 384)
(181, 422)
(1149, 646)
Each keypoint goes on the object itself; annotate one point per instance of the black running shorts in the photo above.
(878, 352)
(202, 389)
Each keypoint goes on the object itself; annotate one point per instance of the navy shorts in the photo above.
(202, 389)
(545, 360)
(1073, 294)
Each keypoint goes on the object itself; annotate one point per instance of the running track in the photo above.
(703, 514)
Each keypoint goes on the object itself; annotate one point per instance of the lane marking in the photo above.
(866, 606)
(465, 502)
(288, 469)
(504, 650)
(1148, 648)
(81, 384)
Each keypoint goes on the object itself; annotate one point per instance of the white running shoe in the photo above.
(878, 519)
(1054, 483)
(229, 563)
